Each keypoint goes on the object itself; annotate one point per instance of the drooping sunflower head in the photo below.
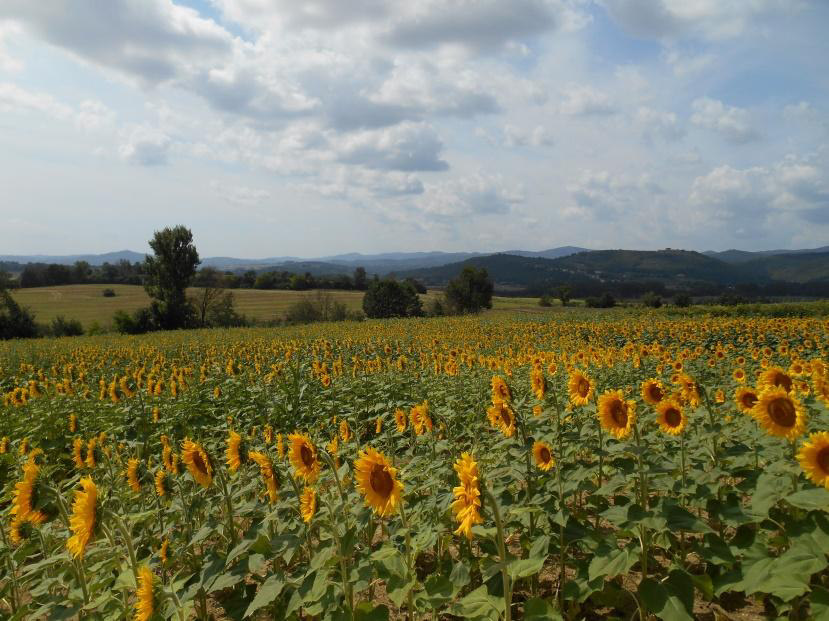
(814, 458)
(145, 594)
(345, 431)
(543, 455)
(304, 458)
(269, 476)
(580, 388)
(198, 462)
(500, 390)
(84, 518)
(400, 420)
(780, 414)
(671, 417)
(653, 391)
(467, 503)
(746, 398)
(26, 496)
(236, 453)
(502, 417)
(775, 377)
(134, 474)
(308, 503)
(421, 423)
(163, 486)
(377, 481)
(616, 414)
(538, 383)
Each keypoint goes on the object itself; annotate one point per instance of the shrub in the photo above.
(139, 322)
(682, 300)
(108, 293)
(390, 298)
(606, 300)
(65, 327)
(545, 300)
(470, 292)
(435, 308)
(652, 300)
(16, 322)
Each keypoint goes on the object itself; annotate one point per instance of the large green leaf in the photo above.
(670, 600)
(268, 592)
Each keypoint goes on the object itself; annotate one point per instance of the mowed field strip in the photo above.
(87, 303)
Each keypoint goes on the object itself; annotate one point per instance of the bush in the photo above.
(564, 294)
(545, 300)
(389, 298)
(108, 293)
(140, 322)
(606, 300)
(435, 308)
(682, 300)
(65, 327)
(470, 292)
(222, 313)
(652, 300)
(15, 322)
(320, 307)
(95, 329)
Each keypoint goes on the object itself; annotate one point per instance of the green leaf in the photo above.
(478, 604)
(770, 488)
(525, 567)
(664, 602)
(364, 611)
(786, 577)
(679, 518)
(537, 609)
(610, 562)
(810, 499)
(268, 592)
(440, 590)
(819, 602)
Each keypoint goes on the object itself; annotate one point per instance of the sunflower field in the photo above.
(631, 466)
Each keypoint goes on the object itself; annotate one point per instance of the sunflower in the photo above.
(162, 483)
(502, 417)
(4, 445)
(73, 423)
(308, 503)
(79, 453)
(814, 458)
(689, 389)
(345, 431)
(197, 462)
(133, 474)
(84, 517)
(267, 434)
(580, 388)
(653, 391)
(280, 446)
(378, 426)
(500, 390)
(91, 454)
(268, 474)
(616, 414)
(775, 377)
(467, 503)
(671, 417)
(236, 453)
(377, 482)
(145, 594)
(537, 410)
(421, 423)
(543, 454)
(400, 420)
(164, 551)
(780, 414)
(746, 398)
(538, 383)
(25, 497)
(739, 375)
(303, 456)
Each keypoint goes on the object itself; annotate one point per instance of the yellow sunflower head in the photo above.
(134, 474)
(304, 458)
(671, 417)
(236, 453)
(580, 388)
(162, 483)
(164, 552)
(84, 517)
(500, 390)
(467, 504)
(780, 414)
(616, 414)
(746, 398)
(775, 377)
(378, 426)
(267, 434)
(739, 375)
(538, 383)
(543, 455)
(308, 503)
(197, 462)
(400, 420)
(377, 481)
(502, 418)
(145, 595)
(345, 431)
(814, 458)
(269, 477)
(653, 391)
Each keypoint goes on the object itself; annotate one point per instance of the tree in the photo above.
(563, 293)
(682, 300)
(169, 272)
(652, 300)
(391, 298)
(470, 292)
(360, 281)
(15, 322)
(212, 284)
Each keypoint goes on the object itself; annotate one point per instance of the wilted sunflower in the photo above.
(162, 483)
(308, 503)
(543, 455)
(775, 377)
(502, 418)
(814, 458)
(780, 414)
(377, 482)
(580, 388)
(616, 414)
(84, 517)
(467, 503)
(197, 462)
(653, 391)
(145, 604)
(236, 453)
(133, 474)
(400, 420)
(671, 417)
(303, 456)
(746, 398)
(500, 390)
(268, 474)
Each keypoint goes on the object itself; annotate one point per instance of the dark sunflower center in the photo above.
(782, 412)
(673, 417)
(619, 413)
(381, 481)
(505, 417)
(749, 399)
(781, 380)
(545, 454)
(822, 459)
(656, 392)
(583, 388)
(198, 462)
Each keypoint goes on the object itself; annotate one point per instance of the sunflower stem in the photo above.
(502, 552)
(562, 546)
(15, 594)
(127, 536)
(229, 508)
(409, 559)
(643, 490)
(347, 591)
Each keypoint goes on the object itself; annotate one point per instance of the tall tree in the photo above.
(360, 280)
(212, 284)
(169, 272)
(390, 298)
(470, 292)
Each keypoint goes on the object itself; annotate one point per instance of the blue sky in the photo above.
(274, 127)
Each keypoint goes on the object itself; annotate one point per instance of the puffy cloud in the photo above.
(93, 114)
(470, 195)
(145, 146)
(406, 147)
(538, 136)
(658, 123)
(730, 122)
(604, 195)
(584, 100)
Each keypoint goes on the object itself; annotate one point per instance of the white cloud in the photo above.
(611, 196)
(658, 123)
(240, 194)
(730, 122)
(538, 136)
(477, 194)
(7, 62)
(16, 98)
(93, 115)
(584, 100)
(406, 147)
(145, 146)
